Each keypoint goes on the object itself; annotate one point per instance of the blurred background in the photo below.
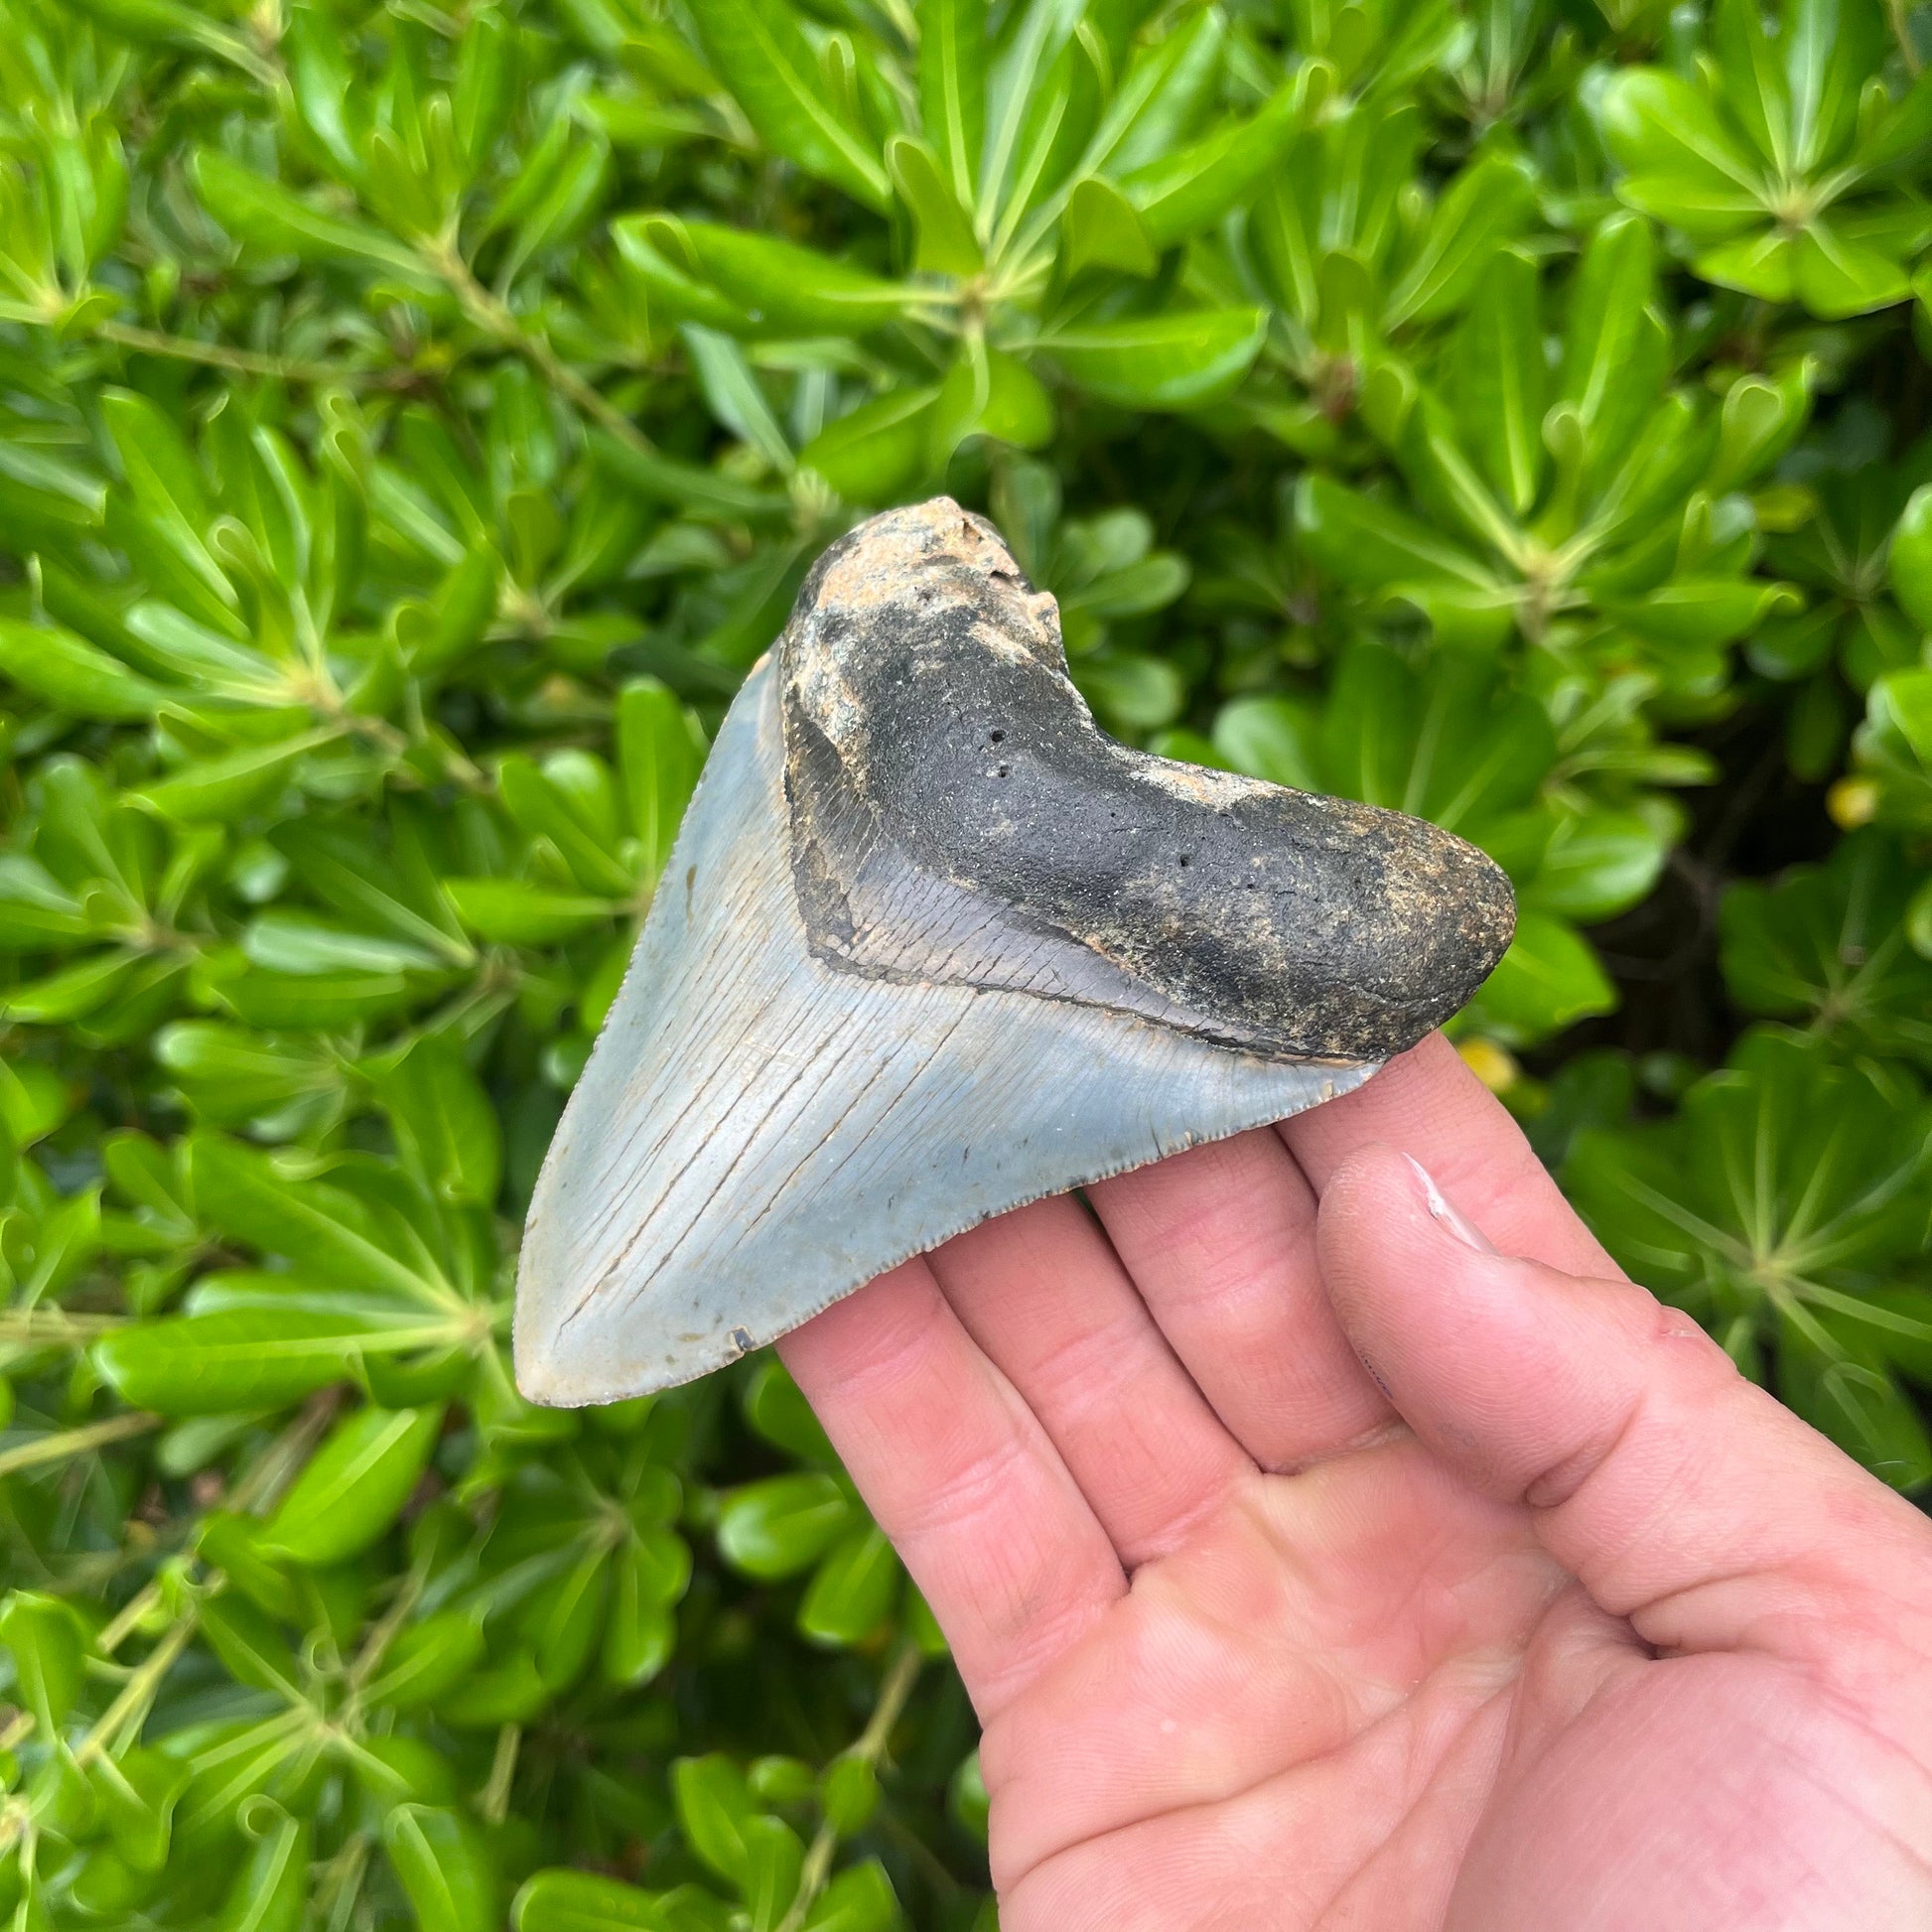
(414, 422)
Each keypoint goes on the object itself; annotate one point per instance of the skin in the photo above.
(1548, 1622)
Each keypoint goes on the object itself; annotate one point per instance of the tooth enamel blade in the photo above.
(758, 1132)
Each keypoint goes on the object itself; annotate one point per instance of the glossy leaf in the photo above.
(761, 52)
(1167, 362)
(353, 1487)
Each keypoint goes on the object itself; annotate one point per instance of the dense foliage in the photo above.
(415, 419)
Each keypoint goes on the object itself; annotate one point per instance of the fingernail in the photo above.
(1466, 1232)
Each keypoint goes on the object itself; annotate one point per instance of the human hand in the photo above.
(1563, 1628)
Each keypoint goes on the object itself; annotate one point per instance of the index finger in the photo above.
(1430, 1105)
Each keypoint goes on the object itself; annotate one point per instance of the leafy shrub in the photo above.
(414, 421)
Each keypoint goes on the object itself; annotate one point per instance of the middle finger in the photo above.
(1220, 1243)
(1049, 1303)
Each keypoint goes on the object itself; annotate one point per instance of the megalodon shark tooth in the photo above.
(930, 945)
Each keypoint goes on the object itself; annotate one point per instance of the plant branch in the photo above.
(491, 314)
(894, 1690)
(66, 1442)
(138, 1692)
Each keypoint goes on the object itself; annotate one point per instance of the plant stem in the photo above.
(117, 1632)
(138, 1692)
(496, 1800)
(50, 1326)
(894, 1690)
(65, 1442)
(275, 1467)
(494, 316)
(53, 312)
(219, 356)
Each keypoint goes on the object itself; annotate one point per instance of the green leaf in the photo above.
(659, 753)
(1548, 979)
(269, 1891)
(137, 1799)
(873, 453)
(353, 1487)
(565, 1619)
(262, 212)
(1836, 276)
(1163, 92)
(1655, 123)
(774, 1862)
(1177, 361)
(761, 53)
(396, 894)
(1831, 47)
(1854, 1402)
(1696, 609)
(334, 1234)
(427, 1659)
(165, 514)
(546, 811)
(1501, 378)
(1908, 561)
(852, 1592)
(1755, 88)
(781, 1525)
(510, 1693)
(69, 995)
(1706, 206)
(1783, 1168)
(1762, 419)
(1601, 862)
(445, 1126)
(651, 1574)
(947, 242)
(779, 284)
(212, 1364)
(1486, 205)
(1762, 264)
(1375, 547)
(459, 615)
(44, 1639)
(857, 1899)
(1102, 228)
(1608, 337)
(220, 790)
(580, 1901)
(72, 675)
(1829, 944)
(1190, 189)
(732, 390)
(988, 393)
(251, 1650)
(506, 912)
(444, 1867)
(952, 92)
(1269, 738)
(36, 912)
(715, 1813)
(667, 290)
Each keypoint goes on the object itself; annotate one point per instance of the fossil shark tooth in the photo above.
(930, 945)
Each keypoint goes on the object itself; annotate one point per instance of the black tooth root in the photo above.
(1293, 925)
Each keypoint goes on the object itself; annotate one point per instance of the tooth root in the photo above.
(759, 1132)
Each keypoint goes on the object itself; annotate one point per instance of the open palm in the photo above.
(1546, 1621)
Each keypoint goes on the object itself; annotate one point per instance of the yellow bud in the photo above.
(1495, 1067)
(1852, 803)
